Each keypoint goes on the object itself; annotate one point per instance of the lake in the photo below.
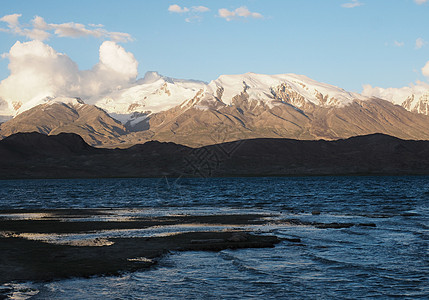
(390, 260)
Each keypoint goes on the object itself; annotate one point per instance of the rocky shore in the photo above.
(29, 253)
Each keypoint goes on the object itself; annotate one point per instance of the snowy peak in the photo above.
(290, 87)
(47, 101)
(153, 93)
(65, 100)
(150, 77)
(156, 93)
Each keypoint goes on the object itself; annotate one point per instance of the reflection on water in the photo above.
(390, 260)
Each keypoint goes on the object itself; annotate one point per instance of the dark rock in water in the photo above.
(367, 225)
(36, 260)
(5, 292)
(237, 237)
(296, 222)
(207, 241)
(410, 214)
(334, 225)
(315, 212)
(292, 240)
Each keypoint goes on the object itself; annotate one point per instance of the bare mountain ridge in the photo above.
(67, 115)
(247, 119)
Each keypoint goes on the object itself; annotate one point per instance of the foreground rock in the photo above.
(23, 260)
(26, 255)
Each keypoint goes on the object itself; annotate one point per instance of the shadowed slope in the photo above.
(33, 155)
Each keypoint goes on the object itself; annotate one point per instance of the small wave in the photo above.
(18, 291)
(240, 264)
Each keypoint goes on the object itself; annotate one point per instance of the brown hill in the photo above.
(88, 121)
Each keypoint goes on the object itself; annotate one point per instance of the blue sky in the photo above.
(347, 43)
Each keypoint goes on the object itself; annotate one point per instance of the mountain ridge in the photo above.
(34, 155)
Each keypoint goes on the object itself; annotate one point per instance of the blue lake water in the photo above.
(390, 260)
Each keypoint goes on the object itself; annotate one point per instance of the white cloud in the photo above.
(399, 95)
(114, 57)
(193, 19)
(419, 2)
(353, 4)
(242, 12)
(38, 71)
(201, 9)
(177, 9)
(420, 43)
(398, 44)
(11, 20)
(39, 23)
(193, 14)
(40, 30)
(396, 95)
(425, 70)
(15, 27)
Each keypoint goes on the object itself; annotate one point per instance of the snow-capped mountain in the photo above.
(153, 93)
(156, 93)
(268, 88)
(232, 107)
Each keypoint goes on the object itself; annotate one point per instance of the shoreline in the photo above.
(24, 257)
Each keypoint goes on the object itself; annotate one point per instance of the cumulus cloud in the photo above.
(38, 29)
(419, 2)
(177, 9)
(353, 4)
(420, 43)
(38, 71)
(241, 12)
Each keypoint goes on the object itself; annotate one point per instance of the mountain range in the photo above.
(230, 108)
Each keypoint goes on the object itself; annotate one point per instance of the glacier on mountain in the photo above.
(155, 93)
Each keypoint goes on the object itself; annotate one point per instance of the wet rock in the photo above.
(295, 222)
(237, 237)
(410, 214)
(333, 225)
(367, 225)
(5, 292)
(207, 241)
(315, 212)
(292, 240)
